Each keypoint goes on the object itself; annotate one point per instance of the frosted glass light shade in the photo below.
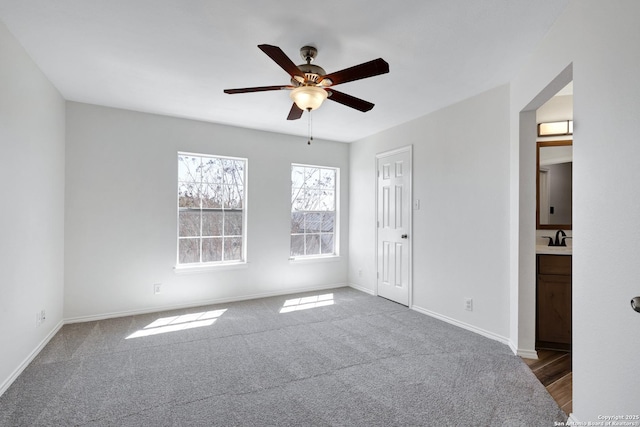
(308, 97)
(564, 127)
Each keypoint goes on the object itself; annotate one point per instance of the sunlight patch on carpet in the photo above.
(178, 323)
(306, 303)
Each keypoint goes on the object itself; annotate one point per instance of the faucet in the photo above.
(558, 242)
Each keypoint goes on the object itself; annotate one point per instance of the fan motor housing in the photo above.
(311, 74)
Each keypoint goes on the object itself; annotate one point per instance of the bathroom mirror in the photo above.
(554, 161)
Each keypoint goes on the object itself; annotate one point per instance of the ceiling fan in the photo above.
(311, 85)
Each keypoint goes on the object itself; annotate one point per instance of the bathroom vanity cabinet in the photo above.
(553, 302)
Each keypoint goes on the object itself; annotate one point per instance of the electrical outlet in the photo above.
(157, 288)
(468, 304)
(43, 316)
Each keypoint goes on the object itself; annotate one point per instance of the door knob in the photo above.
(404, 236)
(635, 304)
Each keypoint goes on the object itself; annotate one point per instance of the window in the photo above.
(211, 216)
(313, 211)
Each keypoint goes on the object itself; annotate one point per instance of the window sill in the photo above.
(204, 268)
(313, 259)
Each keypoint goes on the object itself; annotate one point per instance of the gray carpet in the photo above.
(355, 360)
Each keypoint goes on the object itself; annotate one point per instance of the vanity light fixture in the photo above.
(564, 127)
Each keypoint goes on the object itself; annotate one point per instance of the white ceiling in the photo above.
(175, 57)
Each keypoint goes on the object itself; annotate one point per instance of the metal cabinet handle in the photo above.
(405, 236)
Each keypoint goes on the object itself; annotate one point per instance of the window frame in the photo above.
(336, 211)
(212, 264)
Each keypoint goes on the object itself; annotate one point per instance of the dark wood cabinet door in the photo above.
(554, 308)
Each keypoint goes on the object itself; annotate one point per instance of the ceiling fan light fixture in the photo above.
(311, 85)
(308, 97)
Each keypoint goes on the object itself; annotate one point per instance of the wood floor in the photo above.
(553, 369)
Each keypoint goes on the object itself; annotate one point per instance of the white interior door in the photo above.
(394, 225)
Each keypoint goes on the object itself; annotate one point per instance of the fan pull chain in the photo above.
(310, 129)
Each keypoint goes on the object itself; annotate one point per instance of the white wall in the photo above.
(557, 109)
(32, 214)
(121, 190)
(461, 231)
(600, 40)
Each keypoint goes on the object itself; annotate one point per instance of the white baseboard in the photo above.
(112, 315)
(527, 354)
(573, 421)
(362, 289)
(513, 347)
(16, 373)
(463, 325)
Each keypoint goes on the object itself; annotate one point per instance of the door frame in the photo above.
(523, 231)
(409, 149)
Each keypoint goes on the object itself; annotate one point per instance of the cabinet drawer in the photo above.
(554, 264)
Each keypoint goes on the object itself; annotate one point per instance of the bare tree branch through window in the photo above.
(211, 215)
(313, 210)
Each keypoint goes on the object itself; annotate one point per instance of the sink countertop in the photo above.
(553, 250)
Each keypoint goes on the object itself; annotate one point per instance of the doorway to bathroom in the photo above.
(545, 272)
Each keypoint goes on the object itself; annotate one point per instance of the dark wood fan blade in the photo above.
(357, 72)
(256, 89)
(350, 101)
(280, 58)
(295, 113)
